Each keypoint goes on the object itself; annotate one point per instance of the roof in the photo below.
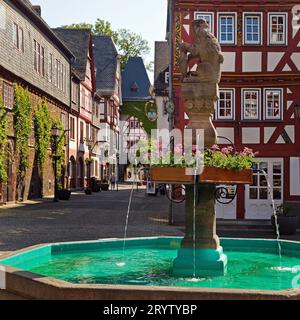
(78, 41)
(135, 81)
(28, 9)
(106, 63)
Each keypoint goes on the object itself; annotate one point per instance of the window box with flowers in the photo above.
(221, 166)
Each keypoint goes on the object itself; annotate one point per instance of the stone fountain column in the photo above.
(201, 253)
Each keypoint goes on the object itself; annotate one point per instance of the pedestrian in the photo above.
(113, 182)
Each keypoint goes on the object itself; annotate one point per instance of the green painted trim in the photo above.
(137, 109)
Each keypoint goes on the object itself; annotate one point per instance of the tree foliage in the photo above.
(129, 44)
(3, 143)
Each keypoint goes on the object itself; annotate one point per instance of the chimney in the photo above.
(38, 10)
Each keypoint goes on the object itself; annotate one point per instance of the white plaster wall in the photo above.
(252, 61)
(225, 132)
(273, 59)
(251, 135)
(229, 62)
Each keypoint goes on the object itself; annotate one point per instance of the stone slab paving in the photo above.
(101, 215)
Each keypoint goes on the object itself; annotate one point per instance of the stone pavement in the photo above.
(101, 215)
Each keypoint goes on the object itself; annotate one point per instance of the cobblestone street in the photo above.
(101, 215)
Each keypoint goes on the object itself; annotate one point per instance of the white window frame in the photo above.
(204, 13)
(227, 14)
(266, 117)
(224, 118)
(244, 91)
(252, 14)
(282, 14)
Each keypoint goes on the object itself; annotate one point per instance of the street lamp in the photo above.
(55, 134)
(297, 111)
(90, 145)
(118, 164)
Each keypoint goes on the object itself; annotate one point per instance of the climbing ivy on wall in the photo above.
(42, 126)
(137, 110)
(59, 151)
(3, 143)
(23, 127)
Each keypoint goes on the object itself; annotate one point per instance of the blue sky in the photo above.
(145, 17)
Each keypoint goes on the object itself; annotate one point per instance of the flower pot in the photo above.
(173, 175)
(224, 176)
(88, 191)
(287, 224)
(64, 194)
(104, 186)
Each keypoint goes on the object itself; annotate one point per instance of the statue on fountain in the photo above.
(201, 253)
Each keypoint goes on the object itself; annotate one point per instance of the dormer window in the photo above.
(134, 87)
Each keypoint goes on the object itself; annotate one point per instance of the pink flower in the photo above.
(215, 148)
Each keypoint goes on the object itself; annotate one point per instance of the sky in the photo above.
(145, 17)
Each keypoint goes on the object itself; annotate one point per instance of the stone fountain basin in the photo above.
(34, 286)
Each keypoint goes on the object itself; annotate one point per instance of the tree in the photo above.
(129, 44)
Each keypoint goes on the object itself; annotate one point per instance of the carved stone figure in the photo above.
(206, 50)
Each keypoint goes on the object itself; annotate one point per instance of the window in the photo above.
(208, 16)
(72, 128)
(81, 132)
(277, 28)
(21, 39)
(273, 104)
(227, 29)
(252, 28)
(39, 58)
(50, 67)
(87, 131)
(16, 35)
(102, 110)
(42, 61)
(8, 95)
(74, 93)
(167, 77)
(225, 109)
(251, 103)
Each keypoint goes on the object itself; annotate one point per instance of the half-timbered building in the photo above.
(259, 91)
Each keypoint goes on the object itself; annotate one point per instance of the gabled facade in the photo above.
(85, 103)
(34, 57)
(108, 85)
(258, 91)
(136, 94)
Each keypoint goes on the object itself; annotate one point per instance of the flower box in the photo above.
(173, 175)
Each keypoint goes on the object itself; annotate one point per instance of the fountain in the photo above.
(156, 267)
(200, 92)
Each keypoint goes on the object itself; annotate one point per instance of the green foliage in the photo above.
(137, 110)
(23, 126)
(42, 132)
(58, 149)
(284, 209)
(129, 44)
(227, 159)
(3, 143)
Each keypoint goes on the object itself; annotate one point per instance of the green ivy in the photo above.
(59, 151)
(3, 143)
(137, 110)
(23, 126)
(42, 132)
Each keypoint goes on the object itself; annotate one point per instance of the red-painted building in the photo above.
(259, 90)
